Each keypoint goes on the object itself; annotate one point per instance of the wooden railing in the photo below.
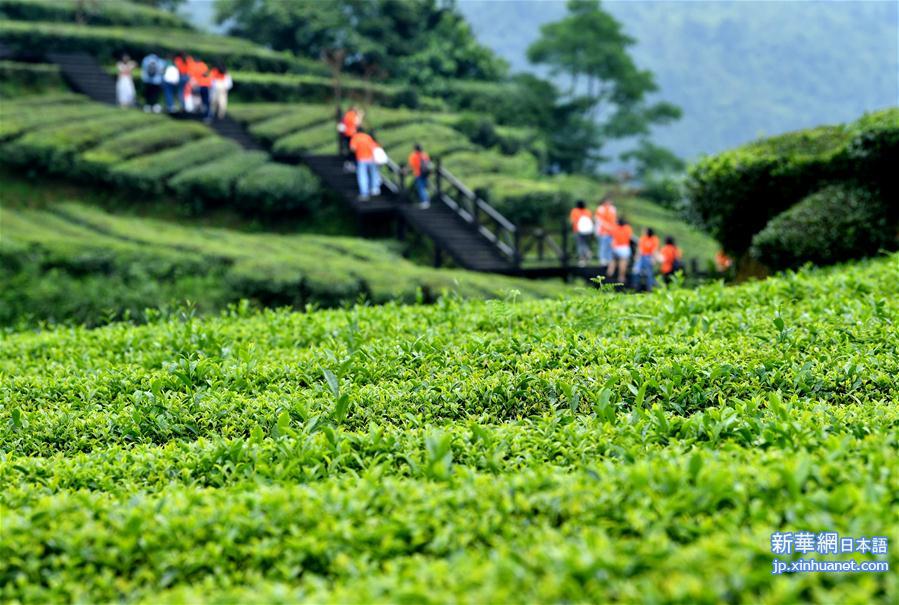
(482, 217)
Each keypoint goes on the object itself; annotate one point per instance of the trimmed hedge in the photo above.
(16, 119)
(55, 147)
(151, 154)
(212, 182)
(278, 189)
(295, 119)
(252, 113)
(150, 139)
(104, 12)
(526, 202)
(323, 136)
(251, 85)
(17, 78)
(149, 173)
(467, 164)
(835, 224)
(436, 138)
(110, 41)
(737, 192)
(78, 263)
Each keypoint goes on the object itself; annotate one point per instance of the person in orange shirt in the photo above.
(348, 126)
(648, 247)
(367, 174)
(671, 258)
(202, 81)
(606, 220)
(420, 165)
(582, 225)
(722, 262)
(621, 248)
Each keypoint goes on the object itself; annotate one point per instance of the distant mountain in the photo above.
(739, 70)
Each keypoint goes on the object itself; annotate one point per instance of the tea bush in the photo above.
(18, 78)
(835, 224)
(106, 42)
(210, 183)
(149, 172)
(737, 192)
(108, 12)
(156, 136)
(149, 154)
(55, 148)
(597, 448)
(273, 189)
(70, 263)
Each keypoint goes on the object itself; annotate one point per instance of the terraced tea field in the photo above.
(599, 448)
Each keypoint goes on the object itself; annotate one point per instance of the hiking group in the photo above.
(186, 84)
(364, 156)
(616, 245)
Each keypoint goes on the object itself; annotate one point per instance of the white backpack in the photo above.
(584, 225)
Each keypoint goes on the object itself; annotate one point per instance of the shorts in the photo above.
(621, 252)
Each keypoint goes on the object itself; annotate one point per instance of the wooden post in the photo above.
(564, 244)
(400, 228)
(694, 266)
(339, 116)
(438, 180)
(540, 235)
(517, 240)
(438, 256)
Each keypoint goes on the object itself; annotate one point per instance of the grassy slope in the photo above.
(598, 448)
(74, 261)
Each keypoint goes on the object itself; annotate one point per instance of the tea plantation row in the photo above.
(596, 448)
(66, 135)
(68, 262)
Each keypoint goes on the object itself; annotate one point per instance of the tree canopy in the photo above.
(592, 49)
(410, 40)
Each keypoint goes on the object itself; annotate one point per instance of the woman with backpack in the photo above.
(582, 225)
(420, 165)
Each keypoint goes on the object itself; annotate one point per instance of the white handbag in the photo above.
(380, 156)
(171, 75)
(584, 225)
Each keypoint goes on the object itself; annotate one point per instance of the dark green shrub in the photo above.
(479, 130)
(213, 183)
(276, 189)
(737, 192)
(837, 223)
(666, 191)
(149, 173)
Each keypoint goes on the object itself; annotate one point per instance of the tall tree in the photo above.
(591, 48)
